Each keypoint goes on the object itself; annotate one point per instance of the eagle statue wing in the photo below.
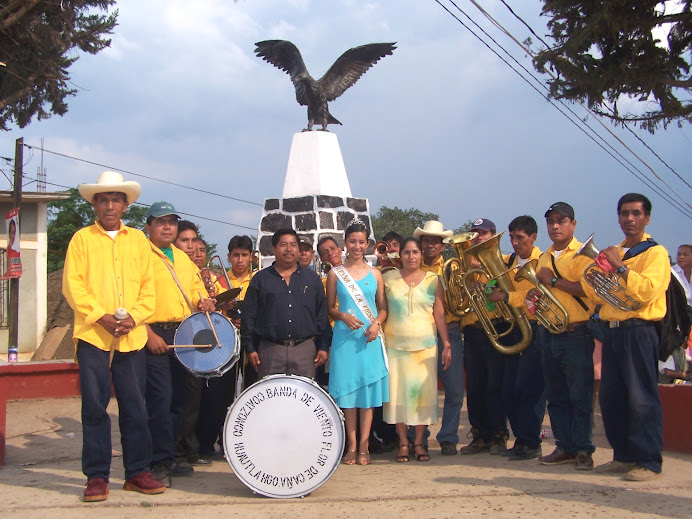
(285, 56)
(350, 66)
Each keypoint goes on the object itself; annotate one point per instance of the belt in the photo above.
(166, 326)
(494, 322)
(629, 323)
(289, 342)
(573, 326)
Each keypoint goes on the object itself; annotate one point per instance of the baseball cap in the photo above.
(158, 209)
(562, 208)
(483, 224)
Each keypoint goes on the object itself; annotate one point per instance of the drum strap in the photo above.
(175, 278)
(359, 299)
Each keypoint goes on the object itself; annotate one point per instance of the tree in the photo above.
(66, 217)
(38, 44)
(606, 54)
(403, 221)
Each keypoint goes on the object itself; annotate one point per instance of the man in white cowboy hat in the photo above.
(108, 268)
(432, 237)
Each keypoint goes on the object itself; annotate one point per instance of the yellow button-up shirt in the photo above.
(102, 274)
(236, 283)
(647, 282)
(436, 268)
(571, 268)
(521, 287)
(171, 306)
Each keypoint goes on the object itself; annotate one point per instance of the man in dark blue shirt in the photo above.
(284, 326)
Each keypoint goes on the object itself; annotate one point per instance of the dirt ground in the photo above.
(43, 478)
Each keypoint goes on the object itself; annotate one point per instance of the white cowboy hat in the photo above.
(432, 228)
(110, 181)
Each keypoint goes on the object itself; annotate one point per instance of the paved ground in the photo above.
(43, 478)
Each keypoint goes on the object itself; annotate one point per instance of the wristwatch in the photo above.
(553, 281)
(620, 270)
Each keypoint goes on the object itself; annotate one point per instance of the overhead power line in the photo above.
(577, 121)
(113, 168)
(147, 205)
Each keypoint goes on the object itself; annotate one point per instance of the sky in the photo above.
(442, 125)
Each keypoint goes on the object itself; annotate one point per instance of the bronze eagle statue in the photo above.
(343, 74)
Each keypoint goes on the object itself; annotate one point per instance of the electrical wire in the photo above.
(148, 205)
(641, 176)
(141, 175)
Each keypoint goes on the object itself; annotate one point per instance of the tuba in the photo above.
(489, 256)
(549, 311)
(606, 284)
(453, 273)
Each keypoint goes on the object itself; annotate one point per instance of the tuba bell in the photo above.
(489, 255)
(606, 285)
(547, 306)
(453, 272)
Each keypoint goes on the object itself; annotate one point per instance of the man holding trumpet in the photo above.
(629, 396)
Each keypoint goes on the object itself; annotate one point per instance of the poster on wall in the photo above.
(14, 260)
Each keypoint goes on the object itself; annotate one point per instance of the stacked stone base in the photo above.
(313, 217)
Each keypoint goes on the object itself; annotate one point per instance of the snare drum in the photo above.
(284, 436)
(212, 361)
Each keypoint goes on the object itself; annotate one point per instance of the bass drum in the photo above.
(284, 436)
(211, 361)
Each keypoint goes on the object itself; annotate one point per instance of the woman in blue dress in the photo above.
(358, 378)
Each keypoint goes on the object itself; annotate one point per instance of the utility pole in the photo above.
(13, 321)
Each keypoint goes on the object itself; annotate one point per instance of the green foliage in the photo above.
(403, 221)
(605, 54)
(38, 44)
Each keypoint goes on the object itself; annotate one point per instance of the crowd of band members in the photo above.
(172, 420)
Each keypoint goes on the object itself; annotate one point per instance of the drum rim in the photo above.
(340, 414)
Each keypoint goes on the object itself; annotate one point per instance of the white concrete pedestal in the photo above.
(315, 166)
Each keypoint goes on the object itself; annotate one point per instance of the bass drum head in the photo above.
(213, 361)
(284, 436)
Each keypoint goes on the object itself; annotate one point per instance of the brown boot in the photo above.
(477, 445)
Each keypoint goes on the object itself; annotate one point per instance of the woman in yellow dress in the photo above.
(416, 315)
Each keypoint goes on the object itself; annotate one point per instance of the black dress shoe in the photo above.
(523, 452)
(199, 460)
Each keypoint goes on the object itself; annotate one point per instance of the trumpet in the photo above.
(381, 248)
(606, 285)
(489, 256)
(549, 311)
(453, 273)
(388, 260)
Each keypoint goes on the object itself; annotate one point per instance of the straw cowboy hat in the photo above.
(432, 228)
(111, 182)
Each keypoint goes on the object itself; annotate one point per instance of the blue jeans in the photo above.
(453, 381)
(523, 393)
(484, 375)
(165, 398)
(568, 373)
(629, 397)
(95, 384)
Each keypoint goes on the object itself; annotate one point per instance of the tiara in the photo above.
(356, 221)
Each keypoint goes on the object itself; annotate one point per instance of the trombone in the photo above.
(493, 267)
(606, 285)
(547, 305)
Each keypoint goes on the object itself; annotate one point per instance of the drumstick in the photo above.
(120, 314)
(213, 330)
(189, 345)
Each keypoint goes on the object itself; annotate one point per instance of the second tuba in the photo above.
(453, 273)
(606, 285)
(547, 305)
(489, 255)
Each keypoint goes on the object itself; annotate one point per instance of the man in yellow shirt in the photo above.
(567, 356)
(431, 237)
(108, 267)
(165, 389)
(629, 396)
(523, 389)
